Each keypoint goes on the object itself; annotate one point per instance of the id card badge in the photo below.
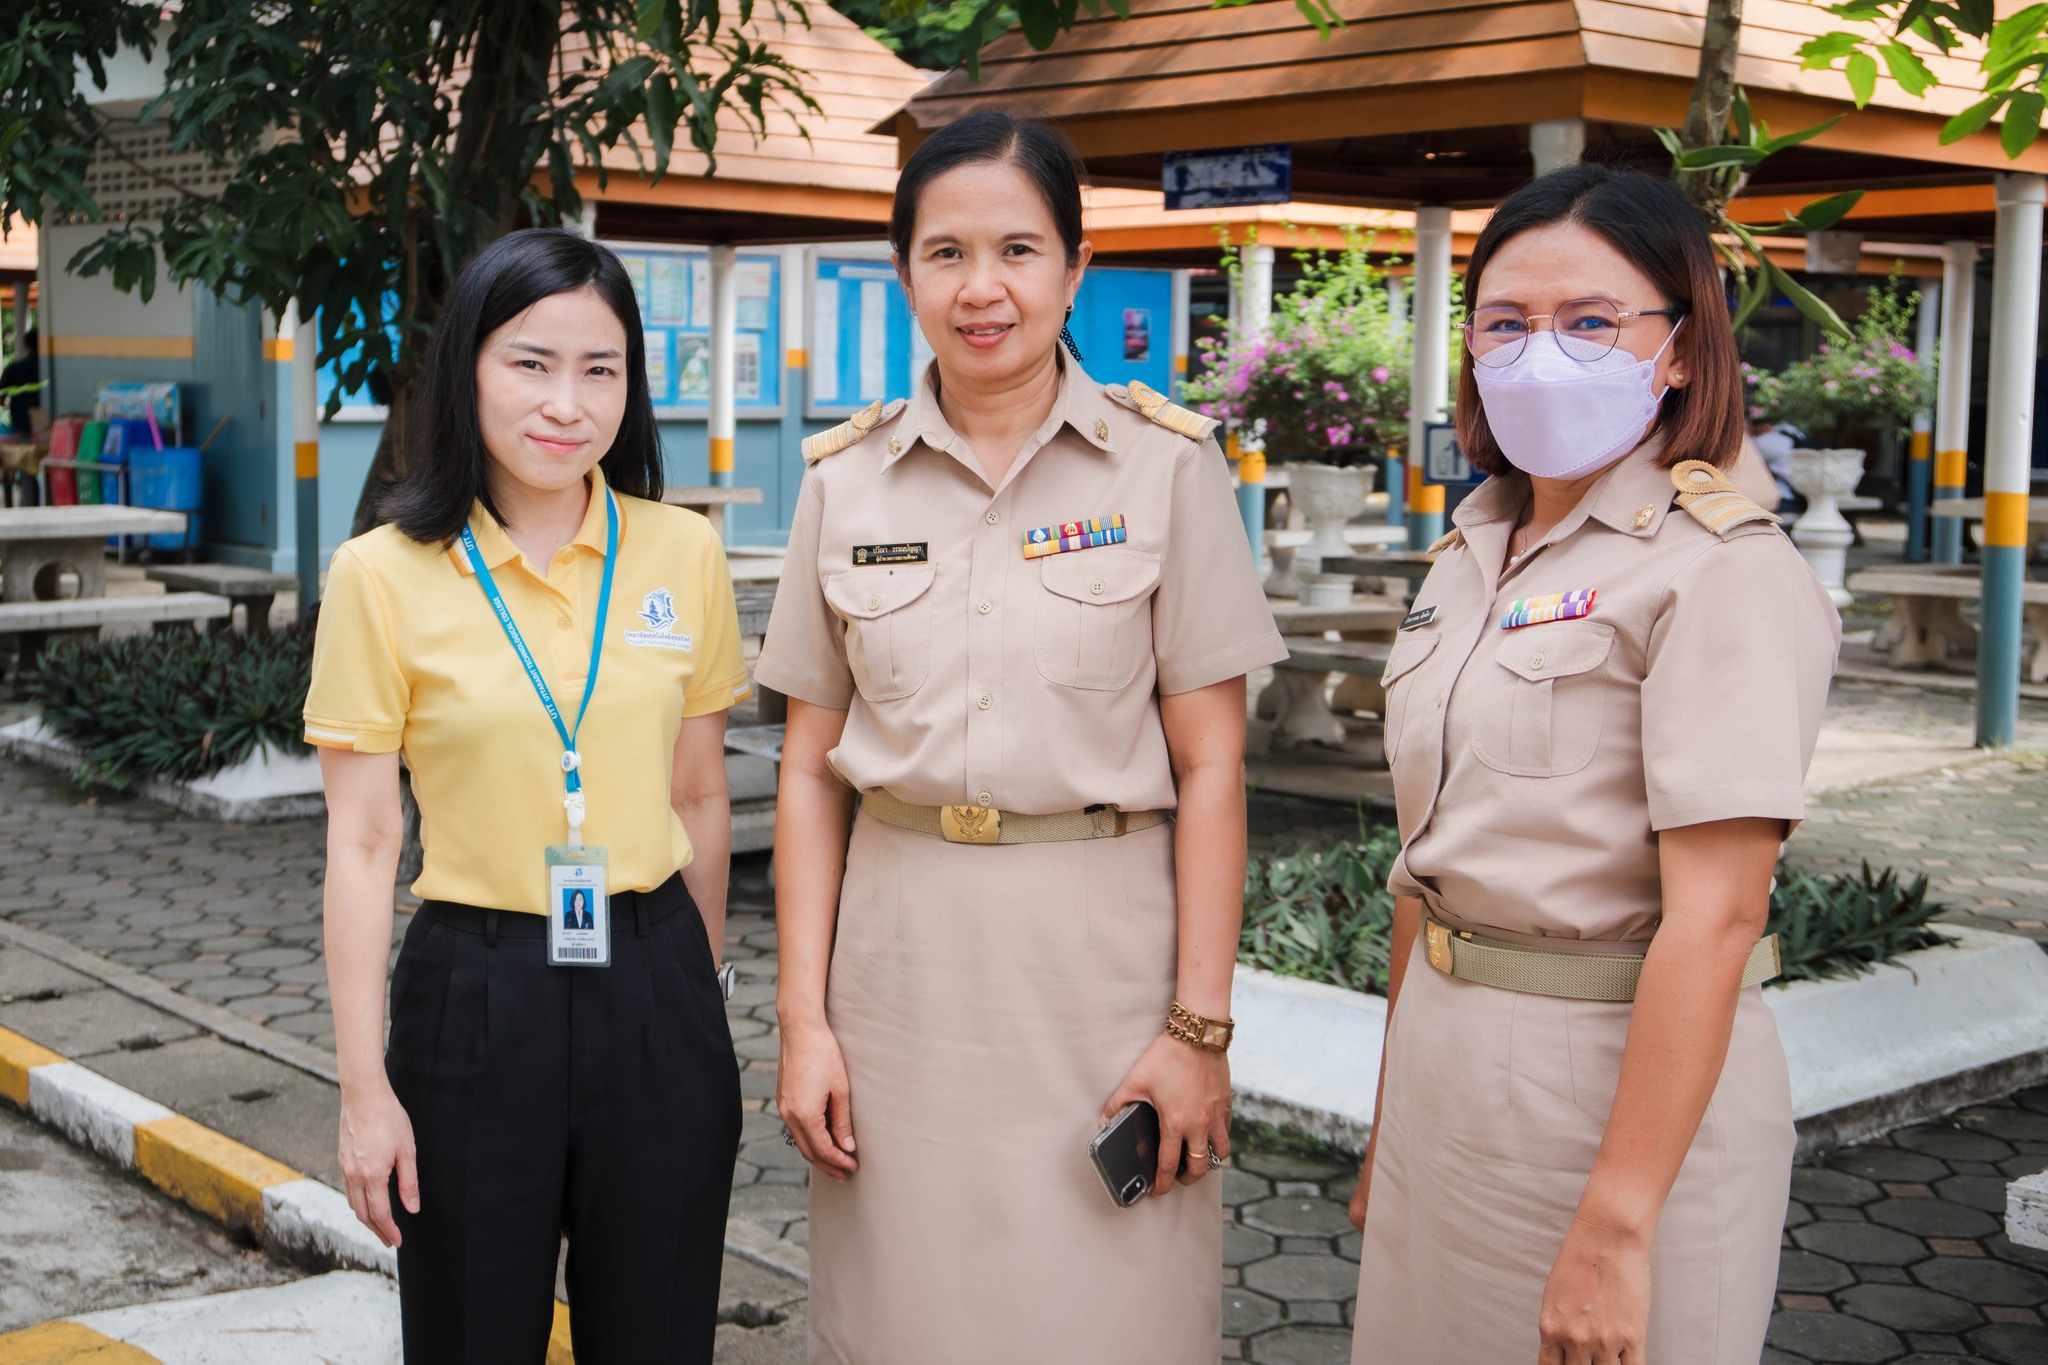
(579, 910)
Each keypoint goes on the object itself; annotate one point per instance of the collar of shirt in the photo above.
(1080, 403)
(1617, 499)
(498, 550)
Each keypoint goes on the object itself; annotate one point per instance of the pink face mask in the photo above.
(1554, 416)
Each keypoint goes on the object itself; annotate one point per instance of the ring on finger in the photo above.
(1215, 1161)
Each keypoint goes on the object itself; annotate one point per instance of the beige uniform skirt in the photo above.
(1494, 1107)
(988, 1001)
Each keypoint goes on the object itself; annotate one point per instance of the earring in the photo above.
(1067, 338)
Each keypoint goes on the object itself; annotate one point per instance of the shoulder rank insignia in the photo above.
(1449, 542)
(849, 432)
(1152, 403)
(1713, 501)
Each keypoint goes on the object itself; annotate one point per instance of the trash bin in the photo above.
(168, 480)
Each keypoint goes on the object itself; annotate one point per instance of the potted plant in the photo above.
(1323, 386)
(1873, 383)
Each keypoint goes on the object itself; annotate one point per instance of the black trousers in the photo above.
(598, 1102)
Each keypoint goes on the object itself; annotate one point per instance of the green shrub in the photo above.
(1323, 913)
(178, 705)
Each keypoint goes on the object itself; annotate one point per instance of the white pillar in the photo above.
(1177, 330)
(2008, 450)
(19, 341)
(1952, 406)
(586, 221)
(305, 339)
(1397, 298)
(1430, 379)
(1920, 453)
(724, 341)
(1254, 309)
(1556, 143)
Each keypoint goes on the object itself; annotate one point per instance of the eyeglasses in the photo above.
(1586, 330)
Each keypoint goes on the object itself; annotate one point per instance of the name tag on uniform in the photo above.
(905, 552)
(1074, 535)
(1418, 618)
(1557, 606)
(579, 909)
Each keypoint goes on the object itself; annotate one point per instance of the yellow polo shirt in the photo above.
(409, 656)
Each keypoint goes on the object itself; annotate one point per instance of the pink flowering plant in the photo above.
(1328, 381)
(1874, 382)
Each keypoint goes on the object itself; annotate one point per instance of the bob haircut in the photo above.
(445, 475)
(1045, 156)
(1651, 222)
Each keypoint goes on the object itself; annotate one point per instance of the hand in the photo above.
(1356, 1212)
(376, 1138)
(1596, 1305)
(1191, 1090)
(815, 1101)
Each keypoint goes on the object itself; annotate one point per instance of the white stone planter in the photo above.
(266, 786)
(1822, 533)
(1329, 498)
(1939, 1029)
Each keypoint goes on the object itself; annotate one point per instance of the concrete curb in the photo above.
(286, 1212)
(340, 1318)
(260, 790)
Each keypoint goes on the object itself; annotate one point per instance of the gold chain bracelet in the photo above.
(1210, 1035)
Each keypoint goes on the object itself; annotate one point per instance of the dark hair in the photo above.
(1649, 220)
(1045, 156)
(445, 474)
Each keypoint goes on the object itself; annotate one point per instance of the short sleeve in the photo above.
(1739, 664)
(1210, 620)
(804, 655)
(359, 695)
(720, 679)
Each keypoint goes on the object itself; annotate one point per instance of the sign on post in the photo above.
(1442, 461)
(1224, 177)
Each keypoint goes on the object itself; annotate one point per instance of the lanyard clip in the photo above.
(573, 803)
(571, 760)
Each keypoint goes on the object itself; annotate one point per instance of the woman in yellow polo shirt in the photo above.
(553, 651)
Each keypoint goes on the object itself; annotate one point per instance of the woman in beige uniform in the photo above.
(1599, 716)
(1016, 619)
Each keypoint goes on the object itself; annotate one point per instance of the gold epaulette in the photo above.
(1152, 403)
(852, 430)
(1455, 538)
(1713, 501)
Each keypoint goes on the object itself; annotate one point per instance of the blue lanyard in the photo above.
(571, 761)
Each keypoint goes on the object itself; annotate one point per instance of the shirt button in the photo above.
(986, 701)
(984, 799)
(874, 603)
(1096, 587)
(1536, 662)
(562, 622)
(992, 518)
(986, 607)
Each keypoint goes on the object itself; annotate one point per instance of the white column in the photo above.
(305, 338)
(586, 221)
(2008, 449)
(1397, 298)
(1920, 453)
(1952, 405)
(1177, 329)
(724, 341)
(1254, 309)
(1430, 382)
(1556, 143)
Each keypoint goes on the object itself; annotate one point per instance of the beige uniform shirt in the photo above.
(1534, 766)
(973, 675)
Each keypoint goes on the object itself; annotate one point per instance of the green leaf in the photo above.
(1739, 111)
(1806, 302)
(1823, 214)
(1861, 69)
(1040, 20)
(2022, 122)
(1779, 144)
(2015, 32)
(1671, 141)
(1755, 293)
(1823, 52)
(1971, 120)
(1975, 17)
(661, 119)
(1725, 154)
(1907, 69)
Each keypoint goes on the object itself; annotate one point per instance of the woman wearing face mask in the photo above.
(559, 1061)
(1016, 619)
(1599, 717)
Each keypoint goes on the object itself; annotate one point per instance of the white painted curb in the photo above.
(266, 786)
(341, 1318)
(1940, 1028)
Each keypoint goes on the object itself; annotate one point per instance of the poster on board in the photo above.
(1137, 334)
(693, 369)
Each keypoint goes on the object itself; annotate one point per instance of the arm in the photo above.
(364, 831)
(698, 794)
(1188, 1086)
(813, 820)
(1407, 923)
(1716, 882)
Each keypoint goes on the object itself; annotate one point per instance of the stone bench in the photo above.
(2026, 1211)
(1927, 617)
(31, 621)
(1304, 715)
(251, 589)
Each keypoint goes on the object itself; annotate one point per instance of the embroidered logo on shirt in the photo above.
(1557, 606)
(1074, 535)
(658, 610)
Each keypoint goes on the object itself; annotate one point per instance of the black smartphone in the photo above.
(1126, 1153)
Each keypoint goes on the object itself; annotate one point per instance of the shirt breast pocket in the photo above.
(888, 615)
(1095, 617)
(1544, 708)
(1397, 683)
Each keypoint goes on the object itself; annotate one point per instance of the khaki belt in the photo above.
(986, 825)
(1555, 971)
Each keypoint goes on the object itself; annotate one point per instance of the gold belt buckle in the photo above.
(1437, 945)
(970, 824)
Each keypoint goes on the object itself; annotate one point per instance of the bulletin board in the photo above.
(673, 287)
(864, 343)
